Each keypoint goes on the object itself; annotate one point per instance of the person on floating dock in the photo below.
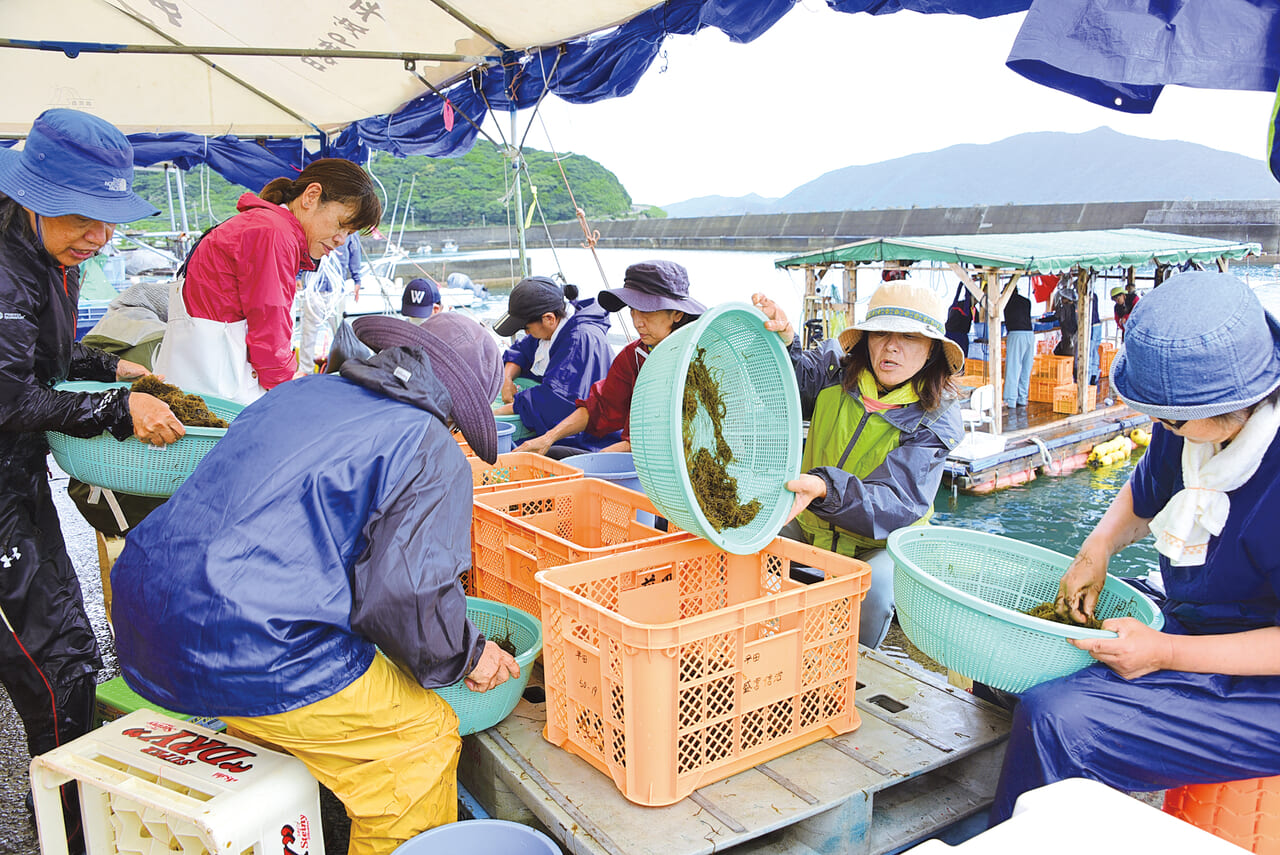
(1020, 359)
(884, 418)
(1195, 703)
(306, 591)
(564, 354)
(657, 292)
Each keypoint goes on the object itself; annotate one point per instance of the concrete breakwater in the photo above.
(1236, 221)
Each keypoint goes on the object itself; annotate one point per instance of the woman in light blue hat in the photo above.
(60, 198)
(1195, 703)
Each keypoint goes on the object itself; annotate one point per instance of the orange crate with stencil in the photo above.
(1064, 398)
(518, 469)
(1246, 813)
(518, 531)
(677, 665)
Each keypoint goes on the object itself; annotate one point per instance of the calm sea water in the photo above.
(1054, 512)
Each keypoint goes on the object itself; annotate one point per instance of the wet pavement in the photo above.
(16, 833)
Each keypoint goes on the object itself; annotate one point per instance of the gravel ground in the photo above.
(16, 833)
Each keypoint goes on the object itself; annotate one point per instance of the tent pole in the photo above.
(524, 263)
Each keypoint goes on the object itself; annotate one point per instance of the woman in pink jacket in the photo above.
(230, 311)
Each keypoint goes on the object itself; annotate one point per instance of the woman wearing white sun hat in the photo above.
(883, 421)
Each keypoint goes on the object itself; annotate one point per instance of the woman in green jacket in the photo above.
(883, 418)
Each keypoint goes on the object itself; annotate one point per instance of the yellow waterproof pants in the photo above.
(384, 745)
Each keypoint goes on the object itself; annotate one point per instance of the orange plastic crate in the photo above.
(518, 531)
(1105, 360)
(1050, 367)
(677, 665)
(1246, 813)
(517, 469)
(1041, 390)
(975, 366)
(1064, 398)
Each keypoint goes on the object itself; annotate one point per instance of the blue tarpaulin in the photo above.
(1116, 53)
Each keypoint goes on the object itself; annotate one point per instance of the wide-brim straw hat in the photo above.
(1198, 346)
(907, 307)
(464, 357)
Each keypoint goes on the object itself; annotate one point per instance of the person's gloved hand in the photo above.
(495, 667)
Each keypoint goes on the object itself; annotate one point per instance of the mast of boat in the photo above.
(524, 264)
(391, 233)
(404, 216)
(168, 192)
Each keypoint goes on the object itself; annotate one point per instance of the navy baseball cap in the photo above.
(74, 163)
(420, 298)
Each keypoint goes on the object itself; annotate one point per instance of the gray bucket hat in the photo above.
(464, 357)
(1200, 345)
(651, 286)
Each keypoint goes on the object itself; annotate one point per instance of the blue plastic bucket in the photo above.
(615, 466)
(506, 437)
(480, 837)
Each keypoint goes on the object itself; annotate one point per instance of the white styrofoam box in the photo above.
(1072, 816)
(151, 785)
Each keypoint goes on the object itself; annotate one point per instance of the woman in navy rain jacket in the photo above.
(564, 354)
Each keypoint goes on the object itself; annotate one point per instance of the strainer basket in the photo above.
(762, 423)
(133, 466)
(960, 595)
(482, 710)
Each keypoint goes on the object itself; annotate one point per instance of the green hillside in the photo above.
(466, 191)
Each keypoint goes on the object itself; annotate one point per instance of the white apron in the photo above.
(206, 357)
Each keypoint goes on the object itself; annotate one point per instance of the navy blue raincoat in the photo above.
(580, 355)
(1169, 728)
(266, 581)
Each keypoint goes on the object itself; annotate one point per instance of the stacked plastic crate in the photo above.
(1047, 373)
(669, 663)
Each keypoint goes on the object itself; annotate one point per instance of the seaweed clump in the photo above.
(191, 410)
(1046, 611)
(715, 489)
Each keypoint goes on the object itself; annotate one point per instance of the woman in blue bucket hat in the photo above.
(1195, 703)
(60, 198)
(884, 419)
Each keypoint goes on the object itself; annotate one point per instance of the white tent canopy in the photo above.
(250, 94)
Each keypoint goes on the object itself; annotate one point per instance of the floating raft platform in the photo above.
(1037, 441)
(925, 759)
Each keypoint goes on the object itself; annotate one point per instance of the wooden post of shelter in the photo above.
(810, 294)
(1084, 336)
(850, 273)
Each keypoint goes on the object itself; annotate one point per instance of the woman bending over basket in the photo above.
(1195, 703)
(883, 418)
(60, 198)
(657, 292)
(231, 310)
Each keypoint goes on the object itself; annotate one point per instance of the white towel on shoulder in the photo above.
(1199, 511)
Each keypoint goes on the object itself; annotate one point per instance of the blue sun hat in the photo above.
(74, 163)
(1200, 345)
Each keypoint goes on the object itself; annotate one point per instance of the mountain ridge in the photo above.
(1043, 167)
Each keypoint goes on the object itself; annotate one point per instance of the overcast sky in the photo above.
(823, 90)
